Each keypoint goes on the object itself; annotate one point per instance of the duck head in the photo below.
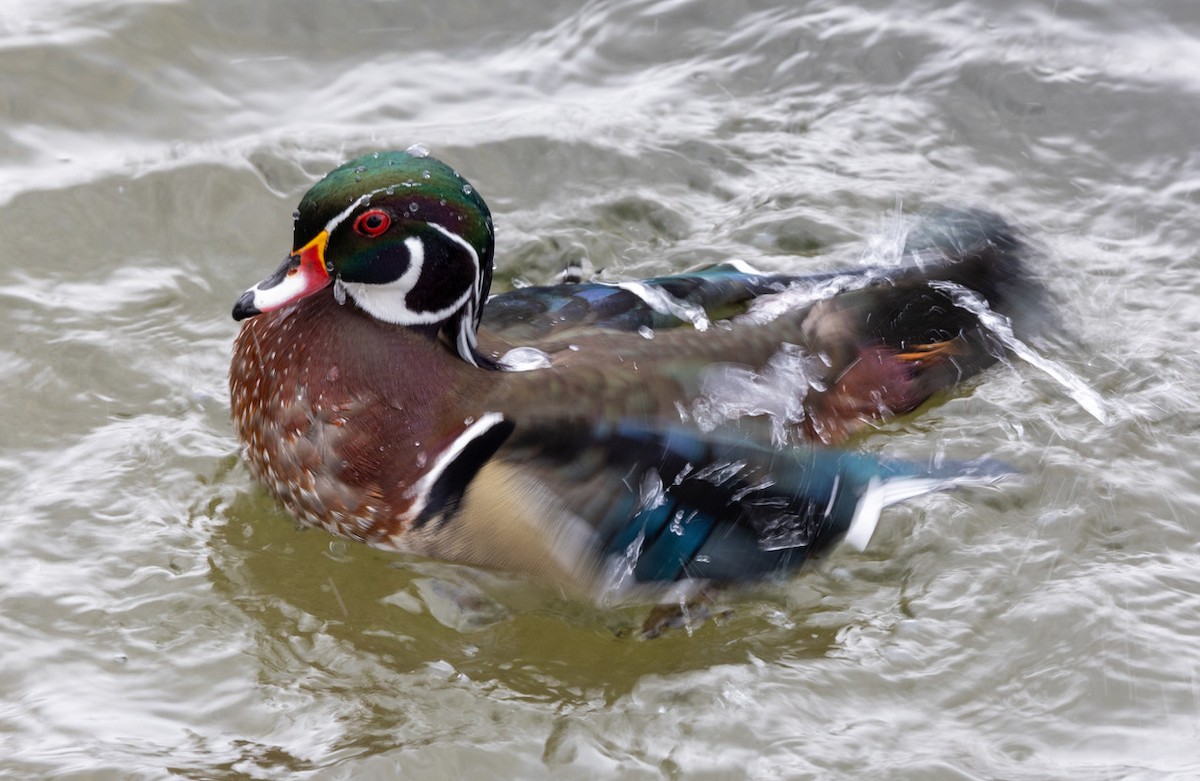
(402, 235)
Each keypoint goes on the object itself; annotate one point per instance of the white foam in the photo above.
(1001, 327)
(731, 391)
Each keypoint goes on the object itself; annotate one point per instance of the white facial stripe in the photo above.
(389, 301)
(428, 318)
(420, 489)
(462, 243)
(466, 332)
(292, 287)
(340, 218)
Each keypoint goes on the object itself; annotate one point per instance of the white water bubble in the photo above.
(523, 359)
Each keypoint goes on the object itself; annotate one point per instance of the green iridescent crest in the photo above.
(415, 187)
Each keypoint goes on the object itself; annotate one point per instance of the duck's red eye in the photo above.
(373, 223)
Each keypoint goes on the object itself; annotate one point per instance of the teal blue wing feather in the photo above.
(677, 504)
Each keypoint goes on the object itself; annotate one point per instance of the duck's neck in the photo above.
(460, 329)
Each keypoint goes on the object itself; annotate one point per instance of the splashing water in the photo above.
(731, 391)
(885, 247)
(1001, 327)
(664, 303)
(803, 293)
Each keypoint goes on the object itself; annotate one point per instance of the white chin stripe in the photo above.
(389, 301)
(292, 288)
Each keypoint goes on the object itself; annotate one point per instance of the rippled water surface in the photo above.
(159, 617)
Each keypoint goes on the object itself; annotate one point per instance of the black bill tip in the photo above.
(245, 307)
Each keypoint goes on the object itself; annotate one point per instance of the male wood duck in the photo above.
(615, 439)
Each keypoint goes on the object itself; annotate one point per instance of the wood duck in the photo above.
(616, 439)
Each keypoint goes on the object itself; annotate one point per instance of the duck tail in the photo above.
(899, 481)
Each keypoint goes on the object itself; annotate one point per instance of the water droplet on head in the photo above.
(467, 189)
(391, 190)
(296, 215)
(360, 169)
(646, 331)
(425, 174)
(412, 207)
(417, 150)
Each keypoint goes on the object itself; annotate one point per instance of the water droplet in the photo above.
(425, 174)
(646, 331)
(391, 190)
(339, 291)
(468, 420)
(358, 178)
(422, 459)
(467, 190)
(296, 215)
(412, 207)
(362, 169)
(442, 202)
(573, 348)
(417, 150)
(523, 359)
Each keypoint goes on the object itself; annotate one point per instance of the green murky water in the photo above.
(160, 618)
